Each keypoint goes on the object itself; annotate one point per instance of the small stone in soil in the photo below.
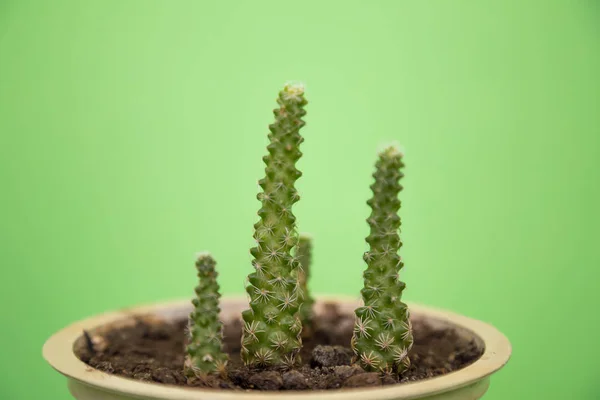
(389, 379)
(266, 380)
(164, 375)
(143, 376)
(364, 379)
(294, 380)
(326, 381)
(346, 371)
(330, 356)
(105, 366)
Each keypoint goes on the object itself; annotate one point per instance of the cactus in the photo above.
(272, 327)
(304, 255)
(204, 349)
(382, 333)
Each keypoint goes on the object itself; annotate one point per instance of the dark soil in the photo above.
(153, 351)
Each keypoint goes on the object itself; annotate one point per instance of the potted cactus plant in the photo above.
(282, 339)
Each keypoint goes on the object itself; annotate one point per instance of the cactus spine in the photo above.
(272, 327)
(304, 255)
(383, 334)
(204, 349)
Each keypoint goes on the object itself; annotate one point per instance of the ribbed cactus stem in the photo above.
(272, 327)
(204, 348)
(383, 334)
(304, 255)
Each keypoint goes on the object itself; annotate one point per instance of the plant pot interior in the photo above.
(150, 348)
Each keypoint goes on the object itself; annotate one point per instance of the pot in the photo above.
(86, 383)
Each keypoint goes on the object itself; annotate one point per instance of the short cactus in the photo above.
(383, 334)
(304, 255)
(272, 327)
(204, 348)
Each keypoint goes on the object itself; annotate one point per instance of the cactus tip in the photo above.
(203, 254)
(390, 148)
(293, 89)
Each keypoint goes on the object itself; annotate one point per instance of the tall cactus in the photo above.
(304, 255)
(383, 334)
(204, 348)
(272, 327)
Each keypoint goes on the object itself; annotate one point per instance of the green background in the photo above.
(131, 137)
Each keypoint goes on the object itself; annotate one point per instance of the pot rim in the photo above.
(58, 352)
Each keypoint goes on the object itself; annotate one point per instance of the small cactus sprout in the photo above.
(204, 349)
(304, 255)
(272, 327)
(382, 332)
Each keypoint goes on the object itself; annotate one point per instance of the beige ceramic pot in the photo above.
(86, 383)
